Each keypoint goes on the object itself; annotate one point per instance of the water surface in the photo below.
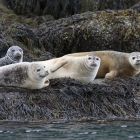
(70, 131)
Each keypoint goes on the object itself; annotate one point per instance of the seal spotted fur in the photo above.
(26, 75)
(14, 55)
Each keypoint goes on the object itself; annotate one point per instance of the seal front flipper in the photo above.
(47, 83)
(58, 64)
(112, 74)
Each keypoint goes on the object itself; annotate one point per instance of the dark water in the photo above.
(70, 131)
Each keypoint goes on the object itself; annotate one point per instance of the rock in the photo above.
(136, 7)
(65, 8)
(14, 31)
(91, 31)
(65, 99)
(137, 75)
(3, 46)
(35, 21)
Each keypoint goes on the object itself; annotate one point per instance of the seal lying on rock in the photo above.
(25, 74)
(13, 55)
(83, 69)
(115, 64)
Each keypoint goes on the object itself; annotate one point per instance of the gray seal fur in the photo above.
(14, 55)
(31, 75)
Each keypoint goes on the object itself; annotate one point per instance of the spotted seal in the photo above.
(30, 75)
(14, 55)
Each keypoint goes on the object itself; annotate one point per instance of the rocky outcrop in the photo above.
(65, 8)
(102, 30)
(14, 30)
(68, 100)
(136, 7)
(90, 31)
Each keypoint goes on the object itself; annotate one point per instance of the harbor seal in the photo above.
(14, 55)
(31, 75)
(83, 69)
(115, 64)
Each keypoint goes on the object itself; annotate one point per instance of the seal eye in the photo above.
(44, 67)
(20, 50)
(97, 58)
(38, 70)
(13, 50)
(89, 58)
(133, 58)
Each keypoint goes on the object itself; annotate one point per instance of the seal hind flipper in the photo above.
(58, 65)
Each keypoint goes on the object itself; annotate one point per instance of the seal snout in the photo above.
(44, 74)
(137, 62)
(135, 58)
(17, 56)
(47, 72)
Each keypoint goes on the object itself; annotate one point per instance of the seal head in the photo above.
(15, 54)
(135, 60)
(39, 71)
(93, 60)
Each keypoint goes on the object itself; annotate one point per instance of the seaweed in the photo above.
(67, 99)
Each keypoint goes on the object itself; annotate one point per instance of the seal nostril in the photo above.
(47, 72)
(18, 56)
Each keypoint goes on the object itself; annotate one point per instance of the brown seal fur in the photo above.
(115, 64)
